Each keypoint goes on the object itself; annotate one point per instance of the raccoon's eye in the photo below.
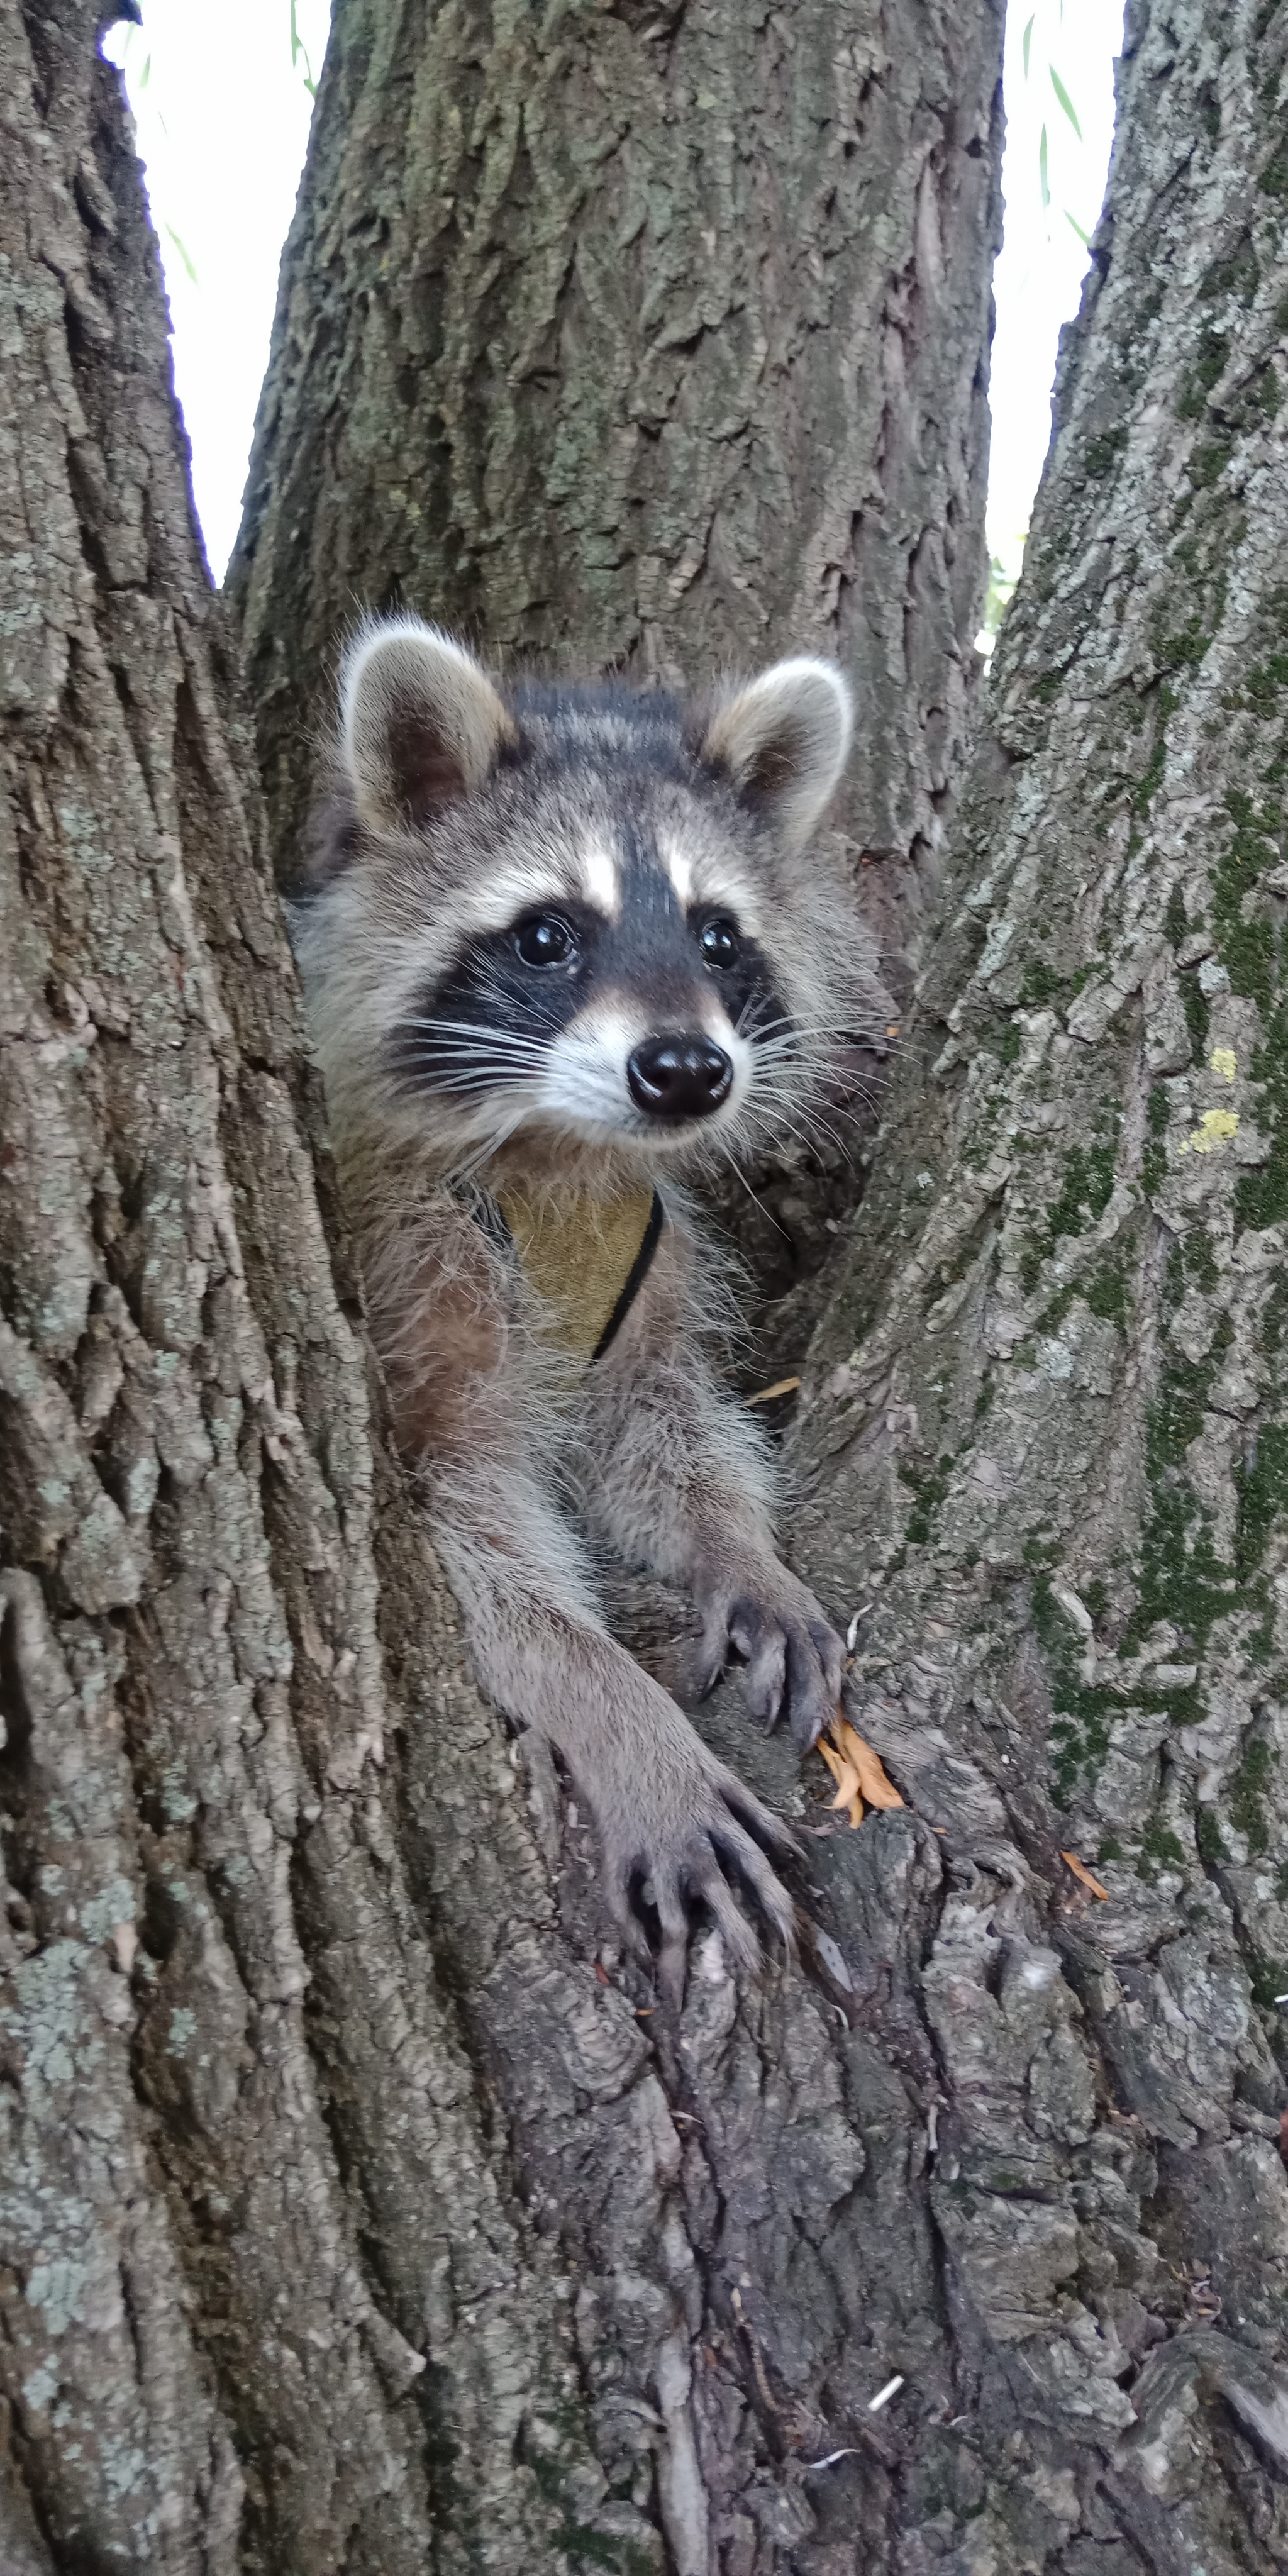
(545, 940)
(719, 942)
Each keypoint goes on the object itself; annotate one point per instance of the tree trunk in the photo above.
(268, 2297)
(349, 2219)
(650, 339)
(1047, 1430)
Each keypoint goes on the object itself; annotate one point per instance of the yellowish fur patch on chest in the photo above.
(578, 1253)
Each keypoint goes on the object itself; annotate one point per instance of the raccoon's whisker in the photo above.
(861, 1088)
(756, 1031)
(494, 1034)
(491, 1145)
(463, 1086)
(458, 1059)
(816, 1057)
(486, 1077)
(769, 1050)
(719, 1150)
(807, 1126)
(788, 1020)
(779, 1120)
(812, 1134)
(786, 1128)
(465, 1028)
(497, 1040)
(805, 1103)
(475, 1050)
(816, 1125)
(426, 1053)
(777, 1033)
(474, 1030)
(768, 1084)
(723, 1151)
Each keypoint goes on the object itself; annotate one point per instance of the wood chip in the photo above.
(781, 1386)
(1083, 1875)
(884, 2395)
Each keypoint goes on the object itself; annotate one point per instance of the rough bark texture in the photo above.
(1047, 1430)
(648, 339)
(349, 2219)
(267, 2298)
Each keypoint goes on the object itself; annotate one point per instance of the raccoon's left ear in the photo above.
(420, 722)
(784, 739)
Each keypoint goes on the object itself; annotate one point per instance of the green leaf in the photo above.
(183, 252)
(146, 73)
(1065, 101)
(1043, 180)
(298, 47)
(1084, 238)
(1028, 39)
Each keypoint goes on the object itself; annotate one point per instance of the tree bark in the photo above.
(268, 2298)
(1046, 1429)
(651, 340)
(357, 2211)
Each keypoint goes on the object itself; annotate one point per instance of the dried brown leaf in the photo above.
(1083, 1875)
(848, 1794)
(781, 1386)
(867, 1765)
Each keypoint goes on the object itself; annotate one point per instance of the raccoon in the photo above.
(562, 949)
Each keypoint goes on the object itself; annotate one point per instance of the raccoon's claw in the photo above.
(794, 1659)
(671, 1865)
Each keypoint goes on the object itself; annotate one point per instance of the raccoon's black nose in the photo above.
(679, 1077)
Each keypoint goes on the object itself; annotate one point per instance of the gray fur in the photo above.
(456, 813)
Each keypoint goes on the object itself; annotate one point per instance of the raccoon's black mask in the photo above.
(686, 981)
(592, 908)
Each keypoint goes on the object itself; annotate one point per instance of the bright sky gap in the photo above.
(222, 102)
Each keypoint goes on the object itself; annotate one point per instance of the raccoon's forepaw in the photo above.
(794, 1657)
(688, 1843)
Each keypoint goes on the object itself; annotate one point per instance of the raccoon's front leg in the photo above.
(794, 1657)
(668, 1813)
(475, 1421)
(706, 1532)
(680, 1481)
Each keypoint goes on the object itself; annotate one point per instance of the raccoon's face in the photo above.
(582, 902)
(614, 1013)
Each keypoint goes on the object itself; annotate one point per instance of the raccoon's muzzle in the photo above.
(679, 1077)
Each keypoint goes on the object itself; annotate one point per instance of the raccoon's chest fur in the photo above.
(585, 1259)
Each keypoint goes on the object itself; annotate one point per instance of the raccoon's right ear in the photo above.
(783, 739)
(421, 724)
